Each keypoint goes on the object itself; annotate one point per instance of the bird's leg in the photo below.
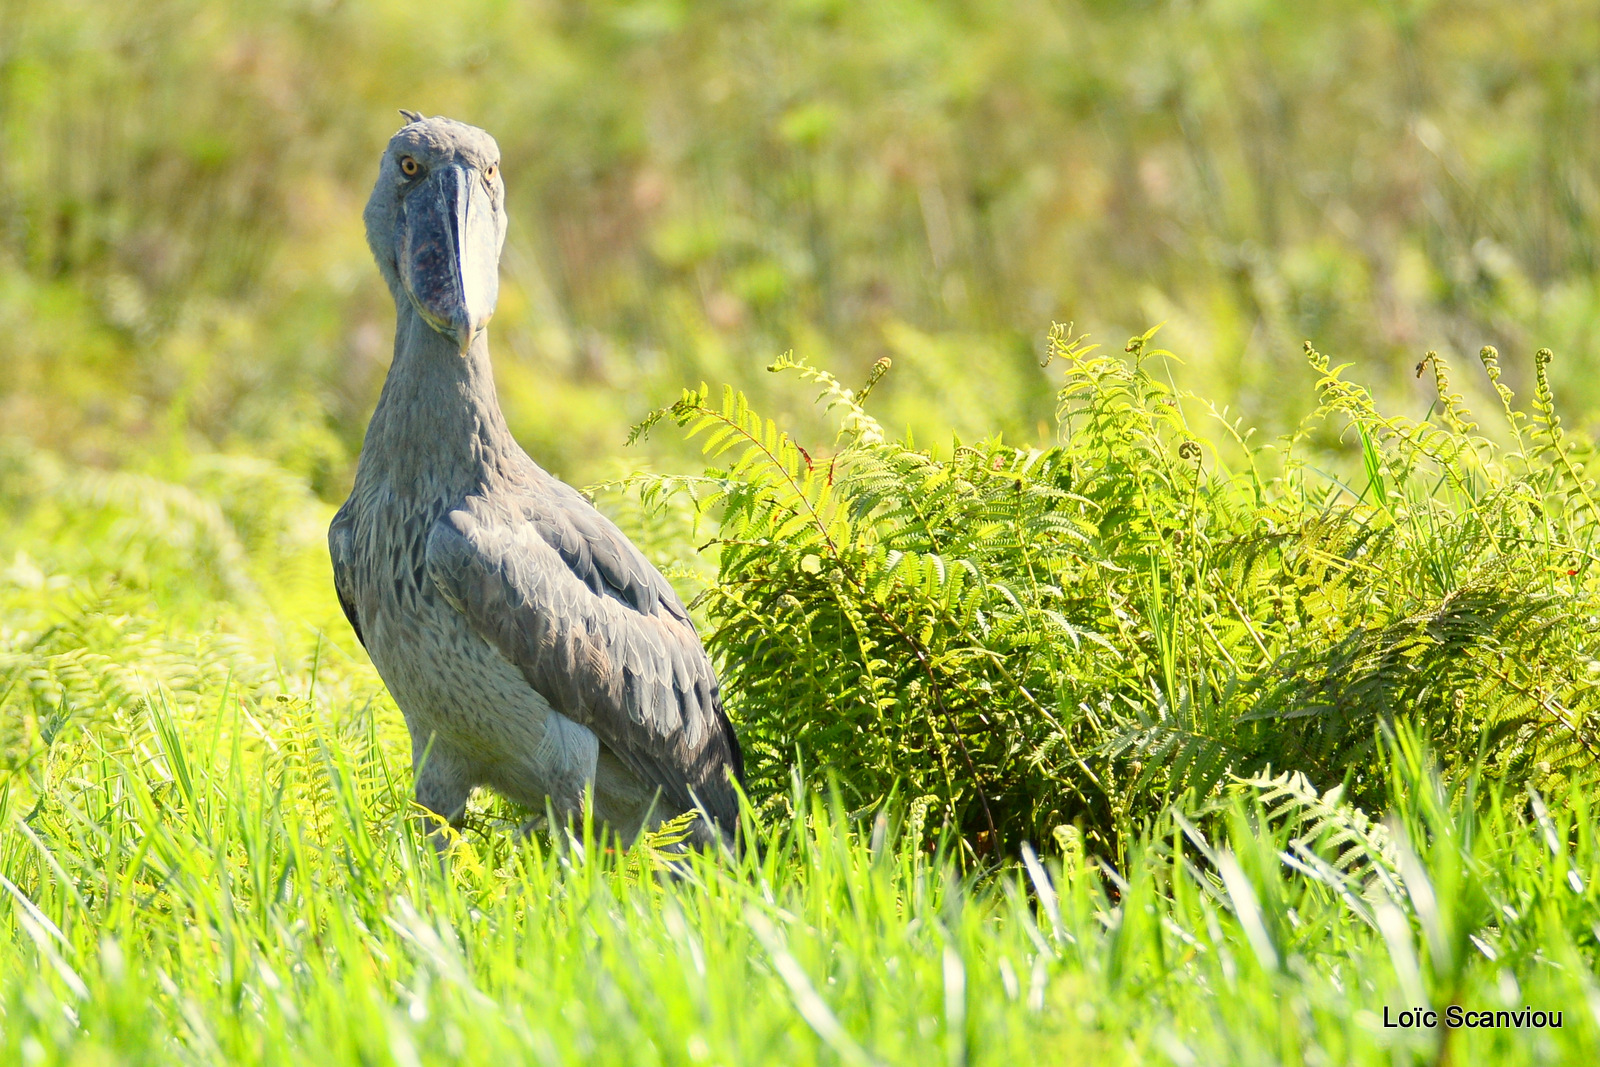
(563, 827)
(555, 778)
(533, 825)
(442, 788)
(621, 800)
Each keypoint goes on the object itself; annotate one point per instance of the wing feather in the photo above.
(597, 631)
(342, 551)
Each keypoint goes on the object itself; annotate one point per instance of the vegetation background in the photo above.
(1301, 724)
(697, 187)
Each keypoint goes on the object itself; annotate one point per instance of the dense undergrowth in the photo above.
(1290, 748)
(1064, 641)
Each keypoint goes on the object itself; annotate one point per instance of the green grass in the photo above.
(210, 856)
(244, 884)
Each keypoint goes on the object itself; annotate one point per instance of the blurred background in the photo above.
(696, 188)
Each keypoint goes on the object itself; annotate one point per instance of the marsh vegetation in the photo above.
(1193, 699)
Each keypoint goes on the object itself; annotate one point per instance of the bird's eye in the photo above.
(409, 167)
(490, 171)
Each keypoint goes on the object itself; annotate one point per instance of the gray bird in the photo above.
(531, 647)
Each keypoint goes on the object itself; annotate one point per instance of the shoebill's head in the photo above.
(436, 222)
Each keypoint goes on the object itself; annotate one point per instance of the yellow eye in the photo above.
(409, 167)
(490, 171)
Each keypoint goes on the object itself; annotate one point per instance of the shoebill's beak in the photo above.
(448, 252)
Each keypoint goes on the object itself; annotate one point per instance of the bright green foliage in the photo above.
(208, 853)
(244, 884)
(1080, 635)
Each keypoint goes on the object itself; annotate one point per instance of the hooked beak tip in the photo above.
(467, 332)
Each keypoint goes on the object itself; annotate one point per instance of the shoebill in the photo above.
(531, 647)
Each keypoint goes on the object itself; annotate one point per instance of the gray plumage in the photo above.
(531, 647)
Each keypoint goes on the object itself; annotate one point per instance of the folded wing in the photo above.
(597, 631)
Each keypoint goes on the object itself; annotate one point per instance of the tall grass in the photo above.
(249, 885)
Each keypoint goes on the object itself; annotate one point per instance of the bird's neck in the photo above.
(437, 429)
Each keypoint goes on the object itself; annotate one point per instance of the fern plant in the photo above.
(1036, 638)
